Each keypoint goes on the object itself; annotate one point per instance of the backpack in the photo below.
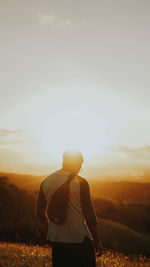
(57, 207)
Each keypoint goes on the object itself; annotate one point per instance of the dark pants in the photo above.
(74, 254)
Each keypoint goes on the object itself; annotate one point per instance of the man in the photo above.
(72, 242)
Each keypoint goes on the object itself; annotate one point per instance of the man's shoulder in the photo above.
(82, 180)
(50, 177)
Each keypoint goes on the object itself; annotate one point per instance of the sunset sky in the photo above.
(74, 75)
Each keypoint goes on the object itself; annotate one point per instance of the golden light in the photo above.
(71, 131)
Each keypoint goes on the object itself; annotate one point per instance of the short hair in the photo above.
(72, 157)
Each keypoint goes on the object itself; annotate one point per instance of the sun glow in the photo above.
(72, 131)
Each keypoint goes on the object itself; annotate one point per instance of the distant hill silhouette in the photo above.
(19, 224)
(116, 190)
(17, 210)
(121, 190)
(26, 181)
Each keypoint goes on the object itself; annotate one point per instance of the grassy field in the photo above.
(117, 236)
(16, 255)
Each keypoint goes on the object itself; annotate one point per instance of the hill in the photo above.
(135, 215)
(25, 181)
(17, 209)
(121, 190)
(18, 222)
(115, 190)
(120, 238)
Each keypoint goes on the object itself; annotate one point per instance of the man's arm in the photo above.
(89, 214)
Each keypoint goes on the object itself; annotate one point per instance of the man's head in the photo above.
(72, 161)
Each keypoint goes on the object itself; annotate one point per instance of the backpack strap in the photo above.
(71, 176)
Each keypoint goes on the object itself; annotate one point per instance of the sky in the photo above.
(74, 75)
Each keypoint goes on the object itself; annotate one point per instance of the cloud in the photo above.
(7, 136)
(5, 132)
(129, 150)
(21, 162)
(10, 142)
(47, 20)
(53, 21)
(65, 24)
(10, 156)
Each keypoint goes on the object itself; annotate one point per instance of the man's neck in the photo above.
(68, 170)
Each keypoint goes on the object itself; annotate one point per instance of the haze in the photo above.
(75, 75)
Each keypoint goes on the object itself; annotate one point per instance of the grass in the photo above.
(20, 255)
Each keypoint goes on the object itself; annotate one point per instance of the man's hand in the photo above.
(99, 249)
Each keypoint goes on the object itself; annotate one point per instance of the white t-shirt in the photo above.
(74, 229)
